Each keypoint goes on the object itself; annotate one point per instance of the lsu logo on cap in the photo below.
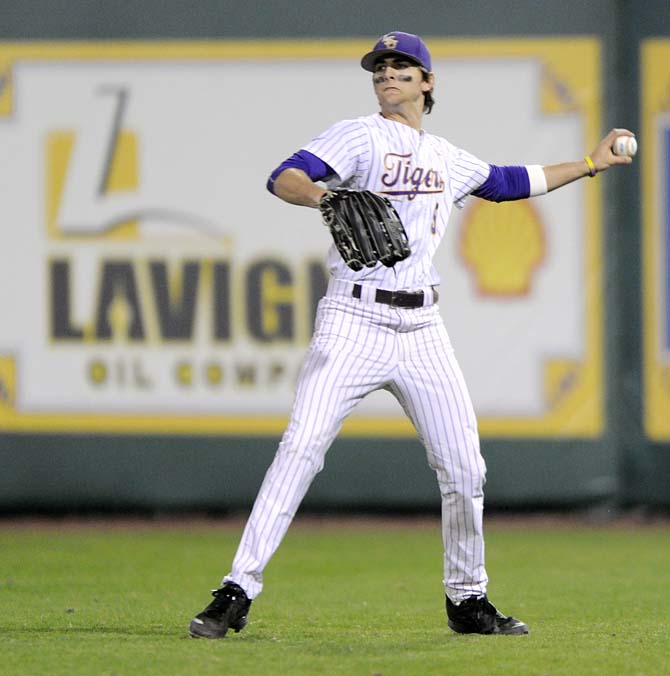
(390, 41)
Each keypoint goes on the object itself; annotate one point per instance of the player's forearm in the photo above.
(558, 175)
(295, 187)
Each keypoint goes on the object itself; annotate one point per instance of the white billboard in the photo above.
(149, 282)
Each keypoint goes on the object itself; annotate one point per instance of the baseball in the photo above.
(625, 145)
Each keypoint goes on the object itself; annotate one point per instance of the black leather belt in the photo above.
(396, 298)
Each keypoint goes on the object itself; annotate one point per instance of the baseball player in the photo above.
(380, 328)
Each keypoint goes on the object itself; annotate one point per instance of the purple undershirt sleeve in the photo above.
(312, 165)
(504, 184)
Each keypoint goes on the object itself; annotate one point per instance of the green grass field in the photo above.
(362, 597)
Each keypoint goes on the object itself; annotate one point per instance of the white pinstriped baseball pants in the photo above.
(360, 346)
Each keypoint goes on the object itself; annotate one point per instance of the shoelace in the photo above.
(222, 594)
(227, 593)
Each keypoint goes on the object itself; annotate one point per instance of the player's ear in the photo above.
(427, 82)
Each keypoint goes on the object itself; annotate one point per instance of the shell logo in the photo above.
(502, 245)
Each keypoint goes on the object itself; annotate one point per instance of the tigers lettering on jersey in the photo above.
(374, 153)
(408, 180)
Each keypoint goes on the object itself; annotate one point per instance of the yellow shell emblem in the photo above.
(502, 245)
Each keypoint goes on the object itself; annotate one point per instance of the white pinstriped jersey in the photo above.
(422, 174)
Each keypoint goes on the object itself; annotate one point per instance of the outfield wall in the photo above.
(166, 298)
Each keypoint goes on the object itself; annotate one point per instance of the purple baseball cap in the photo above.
(398, 43)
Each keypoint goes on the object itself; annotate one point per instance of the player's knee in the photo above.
(311, 455)
(465, 478)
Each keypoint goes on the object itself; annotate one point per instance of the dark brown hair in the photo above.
(428, 100)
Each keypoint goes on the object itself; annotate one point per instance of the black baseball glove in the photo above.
(365, 227)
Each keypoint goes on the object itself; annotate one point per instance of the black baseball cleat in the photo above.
(229, 609)
(480, 616)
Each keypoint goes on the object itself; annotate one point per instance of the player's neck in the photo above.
(410, 116)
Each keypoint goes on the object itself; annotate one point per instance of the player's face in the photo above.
(397, 80)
